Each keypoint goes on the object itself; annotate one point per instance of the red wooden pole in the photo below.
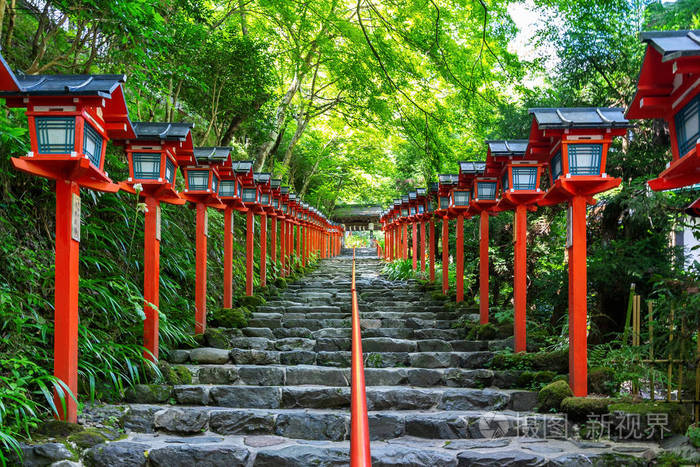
(200, 291)
(445, 255)
(304, 245)
(151, 278)
(520, 277)
(484, 268)
(422, 247)
(263, 250)
(415, 245)
(228, 257)
(299, 232)
(273, 240)
(249, 252)
(405, 241)
(66, 296)
(460, 258)
(283, 247)
(578, 350)
(432, 250)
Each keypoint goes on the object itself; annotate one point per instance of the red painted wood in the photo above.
(263, 250)
(578, 349)
(520, 277)
(228, 257)
(484, 268)
(200, 287)
(422, 247)
(249, 251)
(151, 279)
(273, 240)
(66, 300)
(460, 257)
(414, 254)
(283, 247)
(445, 255)
(432, 250)
(299, 234)
(405, 241)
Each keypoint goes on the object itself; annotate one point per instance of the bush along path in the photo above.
(276, 392)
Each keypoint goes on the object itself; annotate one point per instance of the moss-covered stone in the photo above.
(58, 428)
(482, 332)
(557, 361)
(252, 301)
(580, 408)
(216, 338)
(281, 283)
(87, 438)
(550, 397)
(231, 317)
(504, 330)
(534, 379)
(179, 374)
(679, 415)
(148, 393)
(602, 380)
(438, 296)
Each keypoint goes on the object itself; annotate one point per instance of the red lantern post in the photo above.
(70, 118)
(262, 180)
(250, 195)
(575, 142)
(202, 186)
(446, 183)
(153, 156)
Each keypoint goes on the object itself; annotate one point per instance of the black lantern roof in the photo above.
(404, 199)
(275, 183)
(513, 147)
(162, 130)
(284, 190)
(242, 167)
(211, 155)
(54, 85)
(469, 167)
(673, 44)
(448, 179)
(262, 177)
(581, 117)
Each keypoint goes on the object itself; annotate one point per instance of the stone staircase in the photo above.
(277, 393)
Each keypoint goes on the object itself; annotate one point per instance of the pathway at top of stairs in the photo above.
(277, 392)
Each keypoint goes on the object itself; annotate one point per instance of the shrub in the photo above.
(231, 317)
(603, 380)
(579, 408)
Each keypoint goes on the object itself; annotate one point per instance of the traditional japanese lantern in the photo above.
(460, 196)
(423, 215)
(262, 180)
(274, 212)
(446, 183)
(668, 88)
(71, 118)
(153, 155)
(284, 229)
(230, 195)
(412, 220)
(432, 201)
(575, 142)
(498, 151)
(202, 189)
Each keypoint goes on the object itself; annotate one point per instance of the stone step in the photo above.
(328, 424)
(208, 355)
(424, 315)
(325, 397)
(316, 324)
(298, 375)
(274, 451)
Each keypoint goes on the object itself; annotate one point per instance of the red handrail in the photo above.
(359, 427)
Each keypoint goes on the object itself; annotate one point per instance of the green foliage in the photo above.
(400, 269)
(557, 361)
(231, 317)
(693, 435)
(581, 408)
(603, 380)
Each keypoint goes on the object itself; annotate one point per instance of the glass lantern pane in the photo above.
(92, 145)
(238, 190)
(249, 195)
(214, 183)
(688, 126)
(461, 198)
(227, 188)
(264, 199)
(404, 212)
(444, 202)
(146, 165)
(486, 190)
(421, 209)
(284, 207)
(198, 180)
(504, 182)
(169, 170)
(413, 210)
(584, 159)
(524, 178)
(276, 203)
(555, 165)
(55, 135)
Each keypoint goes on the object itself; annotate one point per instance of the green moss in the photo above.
(579, 408)
(148, 393)
(374, 360)
(182, 374)
(87, 438)
(557, 361)
(251, 302)
(281, 282)
(693, 435)
(534, 379)
(58, 428)
(482, 332)
(550, 397)
(232, 317)
(438, 296)
(679, 417)
(216, 338)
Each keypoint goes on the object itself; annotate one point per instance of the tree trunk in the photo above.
(10, 24)
(3, 6)
(302, 123)
(244, 23)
